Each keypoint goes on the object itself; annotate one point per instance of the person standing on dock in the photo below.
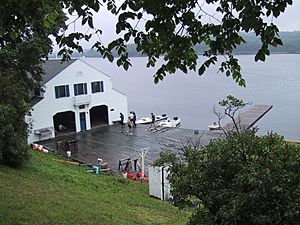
(122, 119)
(134, 119)
(129, 123)
(131, 115)
(152, 122)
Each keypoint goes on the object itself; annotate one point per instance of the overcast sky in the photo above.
(288, 21)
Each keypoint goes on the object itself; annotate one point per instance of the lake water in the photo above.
(192, 98)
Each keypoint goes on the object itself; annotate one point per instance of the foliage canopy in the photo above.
(175, 27)
(24, 43)
(172, 28)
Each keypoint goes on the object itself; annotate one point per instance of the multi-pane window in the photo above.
(62, 91)
(97, 86)
(80, 89)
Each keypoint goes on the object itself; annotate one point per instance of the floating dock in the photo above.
(248, 118)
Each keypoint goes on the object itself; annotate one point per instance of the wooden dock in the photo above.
(248, 118)
(113, 143)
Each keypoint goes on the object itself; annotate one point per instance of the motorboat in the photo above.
(214, 126)
(170, 122)
(146, 120)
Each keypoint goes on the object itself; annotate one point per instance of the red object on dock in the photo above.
(39, 147)
(139, 174)
(130, 176)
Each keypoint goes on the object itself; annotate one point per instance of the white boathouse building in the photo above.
(75, 95)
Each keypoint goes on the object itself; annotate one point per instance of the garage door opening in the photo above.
(99, 115)
(64, 122)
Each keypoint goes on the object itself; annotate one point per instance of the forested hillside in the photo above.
(291, 45)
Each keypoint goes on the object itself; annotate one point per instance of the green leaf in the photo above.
(260, 56)
(276, 12)
(140, 15)
(201, 70)
(119, 62)
(90, 22)
(242, 82)
(109, 56)
(84, 20)
(227, 73)
(126, 64)
(127, 36)
(46, 24)
(183, 68)
(96, 6)
(160, 76)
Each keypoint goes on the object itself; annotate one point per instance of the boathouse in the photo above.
(75, 97)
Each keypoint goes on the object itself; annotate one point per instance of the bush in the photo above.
(13, 149)
(243, 179)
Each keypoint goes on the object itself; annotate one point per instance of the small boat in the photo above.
(145, 120)
(214, 126)
(171, 122)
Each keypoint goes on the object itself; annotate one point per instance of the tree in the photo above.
(242, 179)
(25, 30)
(231, 106)
(13, 129)
(172, 29)
(24, 43)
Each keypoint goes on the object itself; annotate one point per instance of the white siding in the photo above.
(77, 72)
(159, 185)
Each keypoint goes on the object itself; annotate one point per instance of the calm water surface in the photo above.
(275, 82)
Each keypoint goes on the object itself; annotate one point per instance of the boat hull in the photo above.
(214, 127)
(147, 120)
(170, 123)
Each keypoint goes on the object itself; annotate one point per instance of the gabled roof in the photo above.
(51, 69)
(54, 67)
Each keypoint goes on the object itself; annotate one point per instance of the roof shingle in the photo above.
(54, 67)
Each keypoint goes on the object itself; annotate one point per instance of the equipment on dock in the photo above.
(137, 172)
(124, 165)
(97, 170)
(143, 152)
(136, 165)
(67, 146)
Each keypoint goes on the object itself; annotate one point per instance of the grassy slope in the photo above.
(49, 192)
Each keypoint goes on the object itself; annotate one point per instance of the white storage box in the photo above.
(159, 185)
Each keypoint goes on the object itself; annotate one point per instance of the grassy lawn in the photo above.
(49, 192)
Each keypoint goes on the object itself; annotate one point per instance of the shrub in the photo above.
(242, 179)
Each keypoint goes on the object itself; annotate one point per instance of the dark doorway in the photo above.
(82, 121)
(64, 122)
(99, 115)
